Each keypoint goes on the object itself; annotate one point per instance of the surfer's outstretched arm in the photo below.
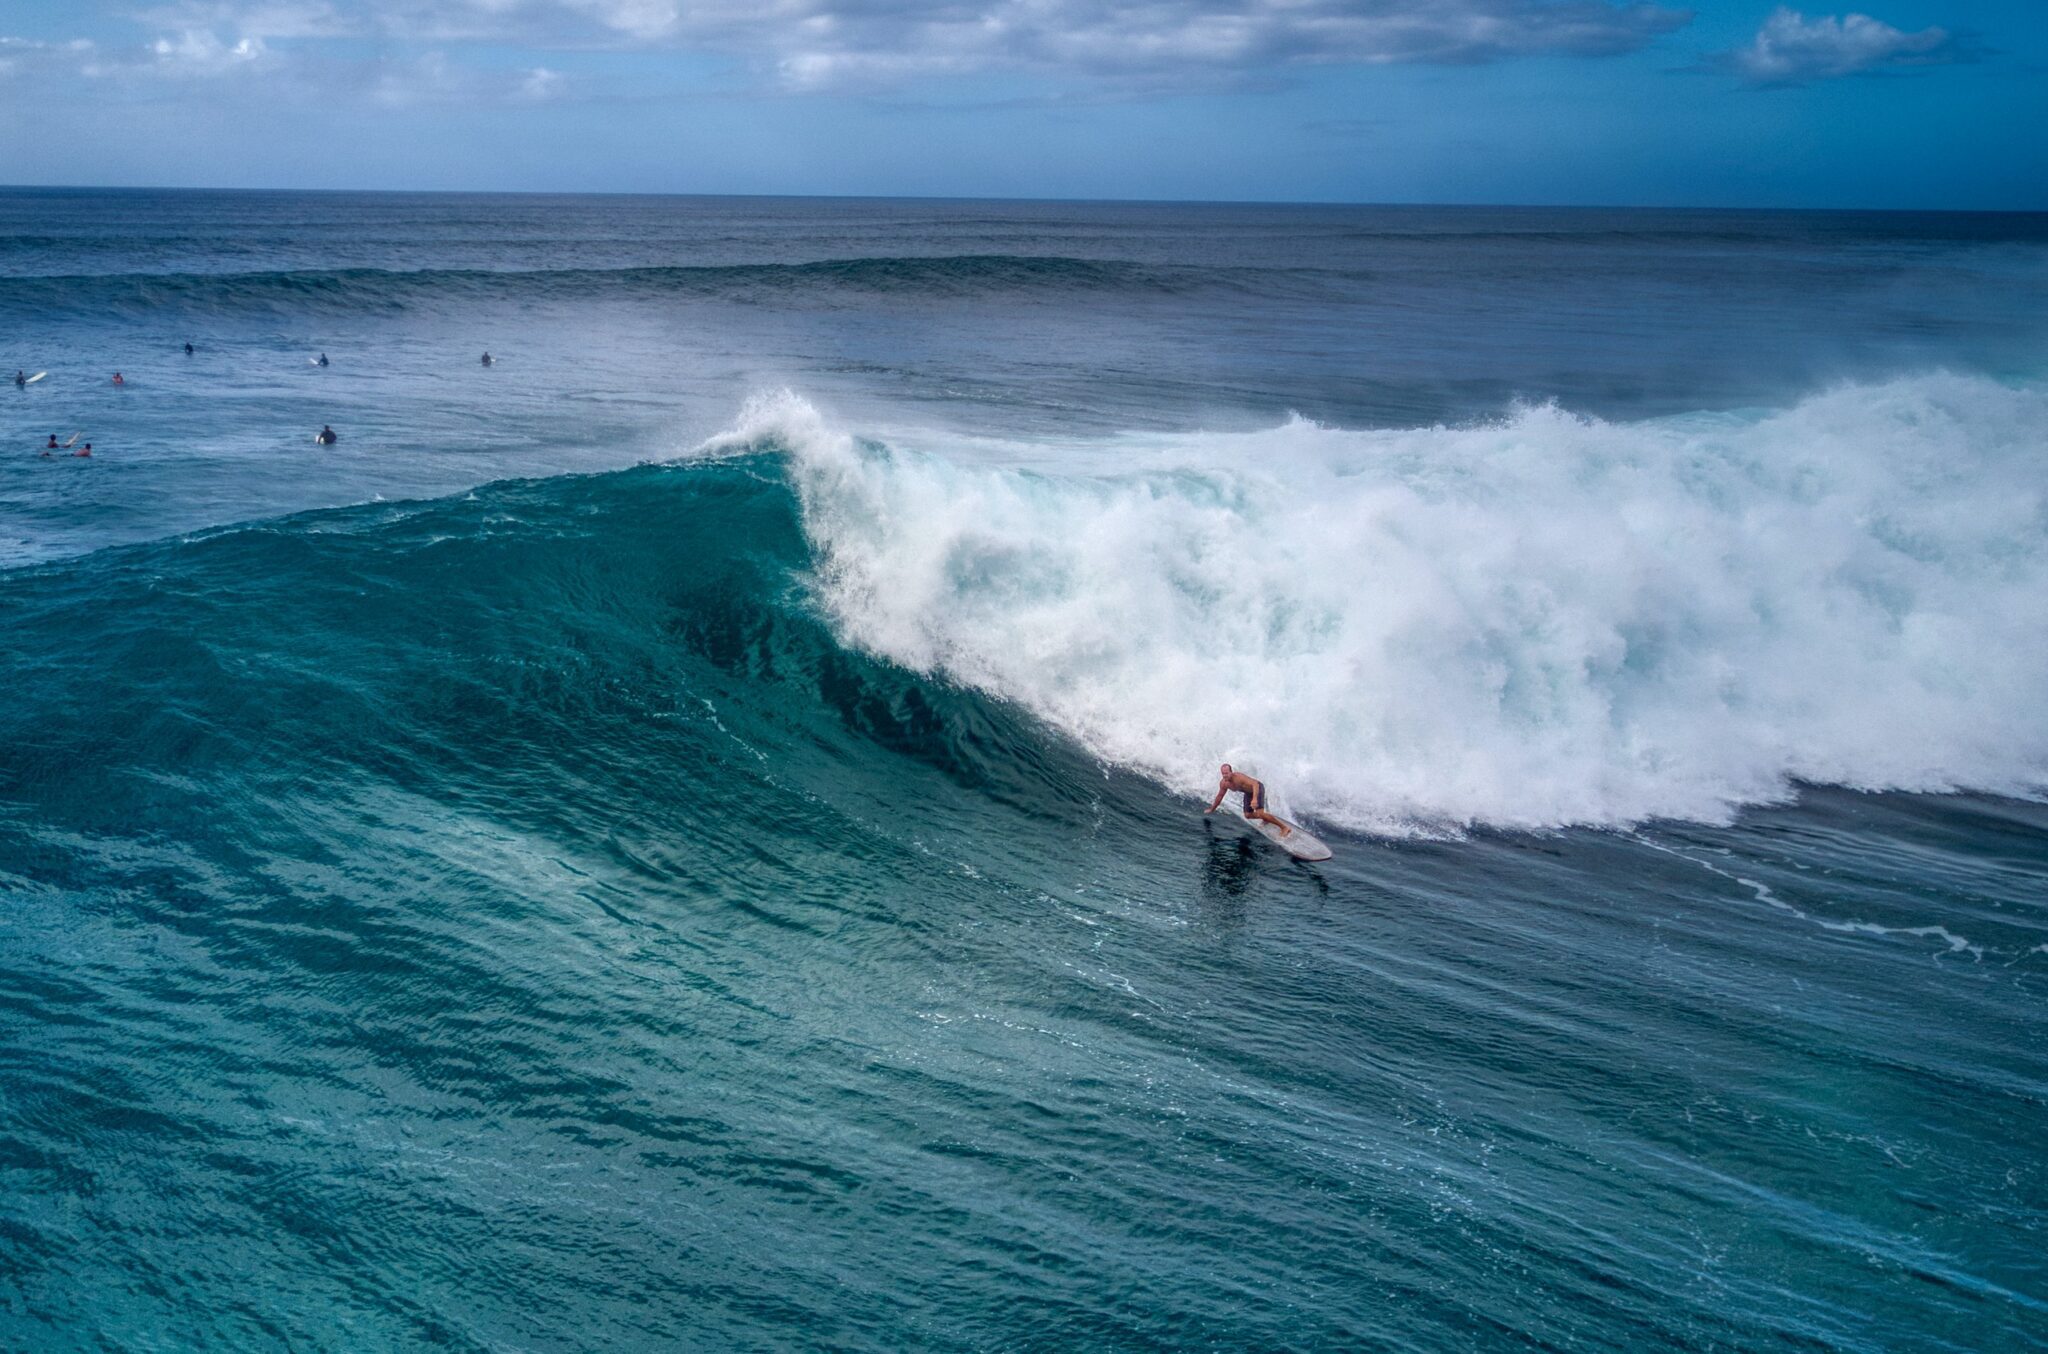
(1223, 787)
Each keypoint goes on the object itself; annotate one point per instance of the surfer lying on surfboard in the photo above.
(1254, 792)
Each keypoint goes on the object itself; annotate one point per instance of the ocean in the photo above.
(690, 836)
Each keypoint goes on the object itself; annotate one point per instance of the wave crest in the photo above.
(1544, 621)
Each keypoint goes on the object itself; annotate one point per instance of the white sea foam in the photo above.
(1543, 621)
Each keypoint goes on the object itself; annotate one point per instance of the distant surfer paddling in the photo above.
(326, 437)
(1254, 791)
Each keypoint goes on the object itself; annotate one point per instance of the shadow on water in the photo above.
(1230, 866)
(1233, 863)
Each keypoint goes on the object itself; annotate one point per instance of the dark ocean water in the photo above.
(689, 837)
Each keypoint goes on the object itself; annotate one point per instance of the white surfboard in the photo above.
(1299, 843)
(35, 378)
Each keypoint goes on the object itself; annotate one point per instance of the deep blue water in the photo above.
(690, 837)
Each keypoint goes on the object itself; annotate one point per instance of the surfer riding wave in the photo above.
(1254, 791)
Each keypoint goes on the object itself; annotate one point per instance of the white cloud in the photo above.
(199, 52)
(1160, 43)
(836, 43)
(542, 85)
(643, 19)
(229, 47)
(264, 20)
(1791, 49)
(432, 78)
(31, 59)
(1117, 46)
(191, 55)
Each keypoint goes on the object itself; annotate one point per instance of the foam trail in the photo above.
(1765, 894)
(1549, 620)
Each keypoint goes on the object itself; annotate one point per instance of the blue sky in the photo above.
(1906, 103)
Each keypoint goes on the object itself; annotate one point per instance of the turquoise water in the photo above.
(718, 863)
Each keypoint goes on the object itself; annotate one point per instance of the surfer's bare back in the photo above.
(1254, 791)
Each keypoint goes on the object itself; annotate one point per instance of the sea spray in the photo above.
(1540, 621)
(509, 915)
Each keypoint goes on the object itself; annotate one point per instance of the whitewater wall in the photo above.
(1541, 621)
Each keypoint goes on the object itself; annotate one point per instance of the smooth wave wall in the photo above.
(1543, 621)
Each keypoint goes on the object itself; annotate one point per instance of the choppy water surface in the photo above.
(690, 836)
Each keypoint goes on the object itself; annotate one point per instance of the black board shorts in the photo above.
(1254, 799)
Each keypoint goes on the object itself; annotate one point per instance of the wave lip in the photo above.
(1544, 621)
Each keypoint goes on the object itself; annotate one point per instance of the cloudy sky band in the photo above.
(1438, 82)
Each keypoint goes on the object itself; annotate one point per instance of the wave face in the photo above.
(758, 897)
(1544, 621)
(532, 895)
(642, 631)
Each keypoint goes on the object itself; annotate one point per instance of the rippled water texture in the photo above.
(613, 856)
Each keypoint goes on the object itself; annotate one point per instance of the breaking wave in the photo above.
(1543, 621)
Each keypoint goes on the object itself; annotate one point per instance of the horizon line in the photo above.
(1000, 198)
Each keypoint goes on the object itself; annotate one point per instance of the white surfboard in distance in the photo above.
(35, 378)
(1299, 843)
